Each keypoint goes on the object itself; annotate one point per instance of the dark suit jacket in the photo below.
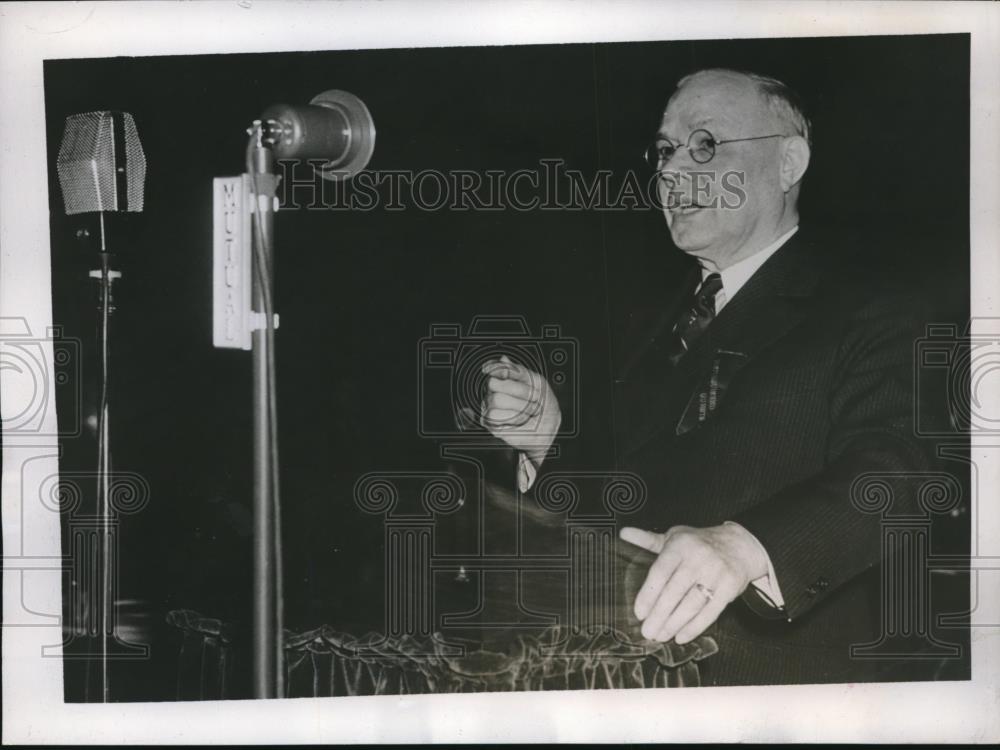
(801, 384)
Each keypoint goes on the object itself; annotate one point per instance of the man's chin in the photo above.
(687, 238)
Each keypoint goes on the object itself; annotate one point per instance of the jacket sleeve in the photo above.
(815, 532)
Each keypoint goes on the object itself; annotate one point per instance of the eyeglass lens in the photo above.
(701, 145)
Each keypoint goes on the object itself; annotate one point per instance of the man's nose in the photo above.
(674, 188)
(674, 179)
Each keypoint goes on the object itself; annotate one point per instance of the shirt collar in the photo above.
(734, 277)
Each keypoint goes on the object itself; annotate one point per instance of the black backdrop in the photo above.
(357, 290)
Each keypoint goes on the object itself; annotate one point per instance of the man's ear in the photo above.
(794, 161)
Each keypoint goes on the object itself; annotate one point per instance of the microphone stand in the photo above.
(268, 631)
(105, 275)
(332, 118)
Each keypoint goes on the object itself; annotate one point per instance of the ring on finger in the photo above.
(705, 591)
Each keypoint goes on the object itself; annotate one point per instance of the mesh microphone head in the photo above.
(101, 165)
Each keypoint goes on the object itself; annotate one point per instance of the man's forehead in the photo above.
(717, 98)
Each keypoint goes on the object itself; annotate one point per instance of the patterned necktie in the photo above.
(695, 319)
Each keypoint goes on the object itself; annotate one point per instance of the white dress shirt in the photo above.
(738, 274)
(733, 279)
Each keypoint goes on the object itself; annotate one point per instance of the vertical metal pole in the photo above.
(104, 466)
(105, 481)
(266, 656)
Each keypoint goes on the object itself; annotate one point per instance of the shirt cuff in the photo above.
(526, 472)
(766, 585)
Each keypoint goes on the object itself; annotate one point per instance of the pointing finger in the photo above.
(648, 540)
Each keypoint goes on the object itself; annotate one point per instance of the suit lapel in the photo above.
(769, 305)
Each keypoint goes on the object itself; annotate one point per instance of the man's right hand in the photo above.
(520, 408)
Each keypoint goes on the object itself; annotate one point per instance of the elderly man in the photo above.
(750, 403)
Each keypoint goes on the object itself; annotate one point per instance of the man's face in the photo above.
(707, 215)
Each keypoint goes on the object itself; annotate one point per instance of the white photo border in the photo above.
(33, 707)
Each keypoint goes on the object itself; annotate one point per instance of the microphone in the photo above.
(335, 126)
(101, 164)
(102, 169)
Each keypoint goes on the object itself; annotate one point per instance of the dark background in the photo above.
(357, 290)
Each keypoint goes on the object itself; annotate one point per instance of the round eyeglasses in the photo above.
(700, 144)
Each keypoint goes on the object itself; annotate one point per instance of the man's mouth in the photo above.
(678, 204)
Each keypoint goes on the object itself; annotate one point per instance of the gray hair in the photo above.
(783, 102)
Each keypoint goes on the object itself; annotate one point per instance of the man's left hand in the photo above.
(697, 572)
